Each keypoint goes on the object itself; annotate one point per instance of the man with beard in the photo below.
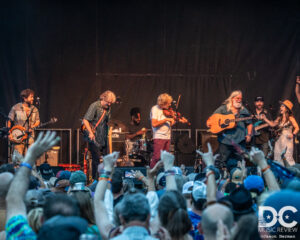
(262, 136)
(238, 134)
(134, 129)
(26, 115)
(95, 121)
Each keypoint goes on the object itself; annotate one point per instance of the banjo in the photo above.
(18, 133)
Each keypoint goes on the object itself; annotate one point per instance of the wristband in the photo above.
(209, 173)
(169, 172)
(24, 164)
(102, 171)
(266, 168)
(104, 178)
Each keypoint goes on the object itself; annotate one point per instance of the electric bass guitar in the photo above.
(18, 133)
(220, 122)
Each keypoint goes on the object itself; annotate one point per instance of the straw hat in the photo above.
(288, 104)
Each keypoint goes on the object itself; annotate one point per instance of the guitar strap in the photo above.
(100, 119)
(27, 120)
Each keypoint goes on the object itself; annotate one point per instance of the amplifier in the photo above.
(51, 156)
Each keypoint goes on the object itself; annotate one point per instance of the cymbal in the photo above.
(117, 124)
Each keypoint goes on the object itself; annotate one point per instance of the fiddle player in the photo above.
(161, 126)
(238, 134)
(26, 115)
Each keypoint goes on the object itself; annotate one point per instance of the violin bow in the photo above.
(178, 100)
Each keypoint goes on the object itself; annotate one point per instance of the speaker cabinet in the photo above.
(51, 156)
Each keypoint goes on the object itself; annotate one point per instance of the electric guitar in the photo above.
(220, 122)
(86, 134)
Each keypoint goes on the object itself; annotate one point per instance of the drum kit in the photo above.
(138, 152)
(133, 153)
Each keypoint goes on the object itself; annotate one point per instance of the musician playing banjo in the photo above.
(233, 105)
(95, 121)
(25, 115)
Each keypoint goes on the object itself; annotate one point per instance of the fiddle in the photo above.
(177, 116)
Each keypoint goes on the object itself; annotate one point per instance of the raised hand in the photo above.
(109, 161)
(137, 174)
(151, 173)
(257, 157)
(42, 144)
(167, 159)
(208, 157)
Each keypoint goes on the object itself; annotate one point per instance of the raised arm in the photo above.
(209, 160)
(271, 123)
(18, 188)
(168, 161)
(258, 157)
(101, 215)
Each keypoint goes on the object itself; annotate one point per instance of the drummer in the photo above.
(135, 131)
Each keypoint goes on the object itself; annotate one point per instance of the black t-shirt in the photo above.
(264, 133)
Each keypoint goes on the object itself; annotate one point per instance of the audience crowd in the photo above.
(257, 200)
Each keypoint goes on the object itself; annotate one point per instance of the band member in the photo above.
(135, 131)
(287, 129)
(233, 105)
(95, 120)
(161, 127)
(26, 115)
(261, 139)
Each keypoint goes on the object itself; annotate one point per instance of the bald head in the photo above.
(210, 217)
(5, 180)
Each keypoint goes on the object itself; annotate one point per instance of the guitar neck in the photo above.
(241, 119)
(261, 126)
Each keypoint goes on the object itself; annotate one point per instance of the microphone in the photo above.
(118, 100)
(37, 101)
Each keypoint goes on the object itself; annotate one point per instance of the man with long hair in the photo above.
(95, 121)
(26, 115)
(240, 134)
(161, 127)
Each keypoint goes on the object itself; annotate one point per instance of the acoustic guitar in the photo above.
(220, 122)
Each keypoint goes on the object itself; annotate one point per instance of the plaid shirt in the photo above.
(93, 115)
(18, 115)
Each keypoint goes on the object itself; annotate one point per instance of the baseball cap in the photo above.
(236, 175)
(199, 190)
(258, 98)
(188, 187)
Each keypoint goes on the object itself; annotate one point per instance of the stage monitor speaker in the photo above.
(51, 156)
(207, 137)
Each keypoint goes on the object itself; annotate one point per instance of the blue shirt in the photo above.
(238, 133)
(195, 219)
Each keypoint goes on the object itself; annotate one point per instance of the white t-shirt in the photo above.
(162, 131)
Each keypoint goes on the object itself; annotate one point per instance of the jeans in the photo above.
(158, 145)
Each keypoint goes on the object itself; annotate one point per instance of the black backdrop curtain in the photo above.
(71, 51)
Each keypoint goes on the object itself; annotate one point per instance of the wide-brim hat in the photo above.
(288, 104)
